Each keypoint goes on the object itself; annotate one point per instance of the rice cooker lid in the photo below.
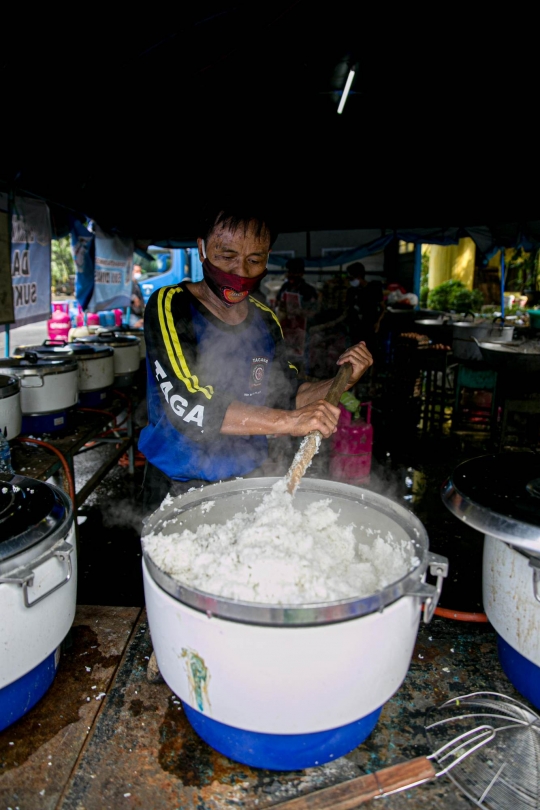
(30, 511)
(79, 351)
(8, 386)
(31, 363)
(498, 495)
(113, 339)
(91, 351)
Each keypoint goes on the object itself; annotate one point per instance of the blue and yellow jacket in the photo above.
(197, 365)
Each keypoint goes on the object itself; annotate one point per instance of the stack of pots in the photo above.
(38, 588)
(126, 354)
(500, 497)
(287, 686)
(467, 334)
(10, 406)
(48, 389)
(95, 368)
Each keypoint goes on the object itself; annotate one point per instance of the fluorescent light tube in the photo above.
(345, 93)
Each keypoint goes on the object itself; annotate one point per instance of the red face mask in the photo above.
(229, 288)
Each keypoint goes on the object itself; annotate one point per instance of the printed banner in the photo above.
(83, 248)
(112, 273)
(31, 260)
(7, 314)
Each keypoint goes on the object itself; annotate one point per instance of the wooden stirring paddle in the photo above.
(310, 444)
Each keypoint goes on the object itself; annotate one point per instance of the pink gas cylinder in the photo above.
(352, 444)
(92, 319)
(118, 317)
(60, 323)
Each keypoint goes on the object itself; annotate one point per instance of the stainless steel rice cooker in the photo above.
(287, 686)
(137, 332)
(500, 496)
(10, 406)
(49, 387)
(126, 354)
(38, 585)
(95, 368)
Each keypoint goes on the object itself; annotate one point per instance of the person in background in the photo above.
(136, 315)
(296, 284)
(355, 303)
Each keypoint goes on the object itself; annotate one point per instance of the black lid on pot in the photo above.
(30, 511)
(499, 495)
(63, 350)
(110, 339)
(34, 362)
(8, 386)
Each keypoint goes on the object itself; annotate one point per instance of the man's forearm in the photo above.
(312, 392)
(254, 420)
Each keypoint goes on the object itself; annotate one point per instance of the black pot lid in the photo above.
(110, 339)
(499, 495)
(8, 386)
(75, 349)
(34, 362)
(30, 511)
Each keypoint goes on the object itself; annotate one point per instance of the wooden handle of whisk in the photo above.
(339, 384)
(355, 792)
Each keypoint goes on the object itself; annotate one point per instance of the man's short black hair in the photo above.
(295, 266)
(356, 270)
(234, 215)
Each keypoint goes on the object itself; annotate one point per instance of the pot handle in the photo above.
(25, 576)
(534, 563)
(430, 594)
(35, 381)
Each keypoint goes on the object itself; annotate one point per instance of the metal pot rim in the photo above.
(510, 530)
(296, 614)
(9, 386)
(42, 368)
(43, 535)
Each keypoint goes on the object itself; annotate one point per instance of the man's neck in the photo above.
(232, 315)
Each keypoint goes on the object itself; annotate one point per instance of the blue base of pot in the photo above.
(44, 422)
(17, 698)
(522, 673)
(281, 752)
(95, 399)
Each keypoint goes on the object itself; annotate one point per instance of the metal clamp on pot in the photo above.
(438, 567)
(24, 577)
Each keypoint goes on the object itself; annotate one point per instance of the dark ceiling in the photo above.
(136, 123)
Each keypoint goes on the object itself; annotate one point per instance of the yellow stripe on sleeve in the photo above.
(291, 366)
(173, 345)
(267, 309)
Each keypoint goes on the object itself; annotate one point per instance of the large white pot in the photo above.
(10, 406)
(96, 366)
(499, 495)
(315, 676)
(126, 354)
(512, 596)
(95, 362)
(38, 587)
(47, 385)
(279, 680)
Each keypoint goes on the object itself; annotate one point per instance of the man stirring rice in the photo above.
(218, 378)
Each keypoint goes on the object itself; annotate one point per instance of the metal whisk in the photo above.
(504, 772)
(487, 743)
